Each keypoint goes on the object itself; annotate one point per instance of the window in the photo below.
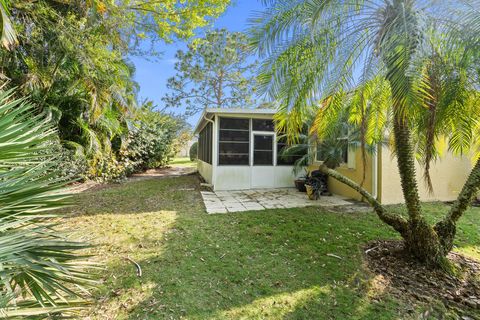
(297, 153)
(263, 125)
(234, 142)
(263, 149)
(205, 144)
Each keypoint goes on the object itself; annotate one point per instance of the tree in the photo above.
(70, 60)
(129, 22)
(193, 152)
(134, 21)
(403, 67)
(214, 72)
(183, 140)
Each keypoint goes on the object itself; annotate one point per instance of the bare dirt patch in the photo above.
(407, 278)
(171, 171)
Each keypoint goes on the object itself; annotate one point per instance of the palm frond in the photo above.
(8, 37)
(41, 272)
(374, 60)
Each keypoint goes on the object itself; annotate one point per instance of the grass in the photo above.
(183, 162)
(255, 265)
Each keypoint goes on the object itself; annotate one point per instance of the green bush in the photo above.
(151, 143)
(146, 140)
(73, 165)
(105, 167)
(194, 151)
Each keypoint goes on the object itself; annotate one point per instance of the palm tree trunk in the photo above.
(406, 167)
(421, 240)
(395, 221)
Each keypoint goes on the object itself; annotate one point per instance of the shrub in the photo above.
(73, 165)
(194, 151)
(151, 143)
(105, 167)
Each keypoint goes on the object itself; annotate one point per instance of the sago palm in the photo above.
(41, 272)
(408, 68)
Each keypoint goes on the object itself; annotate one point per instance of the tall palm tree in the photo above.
(404, 67)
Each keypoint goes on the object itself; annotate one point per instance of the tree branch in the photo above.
(395, 221)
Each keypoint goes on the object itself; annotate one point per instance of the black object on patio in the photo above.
(319, 183)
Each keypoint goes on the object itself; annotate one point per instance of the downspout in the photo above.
(208, 120)
(375, 173)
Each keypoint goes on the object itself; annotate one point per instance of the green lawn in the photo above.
(257, 265)
(183, 162)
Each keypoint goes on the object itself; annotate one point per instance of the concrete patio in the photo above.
(261, 199)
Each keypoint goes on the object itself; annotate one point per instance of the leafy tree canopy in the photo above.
(213, 72)
(127, 21)
(70, 57)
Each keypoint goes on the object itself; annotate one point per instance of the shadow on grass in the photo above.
(274, 264)
(251, 266)
(140, 196)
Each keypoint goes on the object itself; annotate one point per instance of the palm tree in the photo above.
(404, 67)
(41, 272)
(7, 33)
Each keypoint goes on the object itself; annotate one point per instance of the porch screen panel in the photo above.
(234, 142)
(263, 150)
(295, 152)
(263, 125)
(205, 144)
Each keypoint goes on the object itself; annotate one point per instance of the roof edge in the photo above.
(215, 111)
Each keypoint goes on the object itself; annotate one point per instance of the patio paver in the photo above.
(261, 199)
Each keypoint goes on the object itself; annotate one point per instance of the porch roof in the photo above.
(210, 112)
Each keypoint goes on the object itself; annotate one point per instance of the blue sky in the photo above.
(152, 75)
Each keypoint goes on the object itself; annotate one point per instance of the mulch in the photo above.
(408, 279)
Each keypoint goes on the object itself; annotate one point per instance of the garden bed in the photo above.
(406, 278)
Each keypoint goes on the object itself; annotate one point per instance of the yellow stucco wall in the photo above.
(354, 172)
(448, 176)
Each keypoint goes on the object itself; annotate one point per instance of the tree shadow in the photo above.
(142, 195)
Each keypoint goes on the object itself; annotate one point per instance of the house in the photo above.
(239, 149)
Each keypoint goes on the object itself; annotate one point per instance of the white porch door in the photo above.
(263, 159)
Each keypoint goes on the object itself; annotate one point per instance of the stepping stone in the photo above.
(255, 208)
(216, 210)
(228, 199)
(223, 194)
(236, 209)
